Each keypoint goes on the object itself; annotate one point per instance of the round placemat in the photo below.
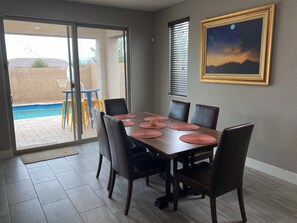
(183, 126)
(128, 123)
(156, 117)
(146, 134)
(158, 125)
(197, 138)
(124, 116)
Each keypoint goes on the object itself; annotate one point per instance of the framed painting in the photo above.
(236, 48)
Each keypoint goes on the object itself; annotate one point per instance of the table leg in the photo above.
(162, 202)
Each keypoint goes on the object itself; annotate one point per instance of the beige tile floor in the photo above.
(66, 190)
(35, 132)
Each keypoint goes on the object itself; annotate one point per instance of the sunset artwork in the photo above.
(234, 48)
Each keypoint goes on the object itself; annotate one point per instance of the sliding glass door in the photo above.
(39, 58)
(102, 63)
(57, 72)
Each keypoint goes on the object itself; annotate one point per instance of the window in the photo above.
(178, 57)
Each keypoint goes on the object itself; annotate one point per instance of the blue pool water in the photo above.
(36, 111)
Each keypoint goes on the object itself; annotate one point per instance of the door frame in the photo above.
(75, 60)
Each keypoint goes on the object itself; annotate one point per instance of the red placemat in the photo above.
(183, 126)
(156, 117)
(128, 123)
(124, 116)
(146, 134)
(158, 125)
(197, 138)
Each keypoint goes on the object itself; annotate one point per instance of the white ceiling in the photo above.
(144, 5)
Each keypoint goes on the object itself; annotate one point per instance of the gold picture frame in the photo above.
(236, 48)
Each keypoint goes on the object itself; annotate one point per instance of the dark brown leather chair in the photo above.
(179, 110)
(124, 162)
(104, 149)
(206, 116)
(115, 106)
(226, 172)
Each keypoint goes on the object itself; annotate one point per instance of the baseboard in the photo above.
(272, 170)
(6, 154)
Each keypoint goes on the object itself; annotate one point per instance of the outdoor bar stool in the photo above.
(97, 104)
(84, 111)
(67, 112)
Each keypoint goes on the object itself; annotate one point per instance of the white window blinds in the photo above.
(178, 57)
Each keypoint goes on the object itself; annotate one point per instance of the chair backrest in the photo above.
(179, 110)
(115, 106)
(119, 147)
(229, 161)
(101, 133)
(206, 116)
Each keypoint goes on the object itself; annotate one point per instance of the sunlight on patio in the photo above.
(35, 132)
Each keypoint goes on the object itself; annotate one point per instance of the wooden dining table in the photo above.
(169, 146)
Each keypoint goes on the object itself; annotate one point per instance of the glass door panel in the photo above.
(101, 68)
(39, 57)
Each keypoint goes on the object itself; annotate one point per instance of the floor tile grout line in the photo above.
(5, 191)
(37, 196)
(73, 188)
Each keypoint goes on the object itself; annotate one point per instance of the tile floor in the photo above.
(36, 132)
(66, 190)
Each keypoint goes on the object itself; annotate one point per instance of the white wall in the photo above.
(272, 108)
(139, 24)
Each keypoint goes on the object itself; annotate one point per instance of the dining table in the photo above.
(168, 145)
(88, 92)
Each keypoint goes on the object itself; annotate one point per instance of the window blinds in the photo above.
(178, 57)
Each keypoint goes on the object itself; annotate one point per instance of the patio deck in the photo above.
(35, 132)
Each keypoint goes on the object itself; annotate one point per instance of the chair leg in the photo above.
(213, 210)
(63, 109)
(147, 181)
(99, 165)
(211, 157)
(129, 195)
(112, 183)
(109, 179)
(241, 203)
(175, 194)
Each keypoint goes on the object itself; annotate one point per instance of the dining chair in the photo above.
(118, 106)
(124, 162)
(115, 106)
(224, 174)
(104, 148)
(179, 110)
(205, 116)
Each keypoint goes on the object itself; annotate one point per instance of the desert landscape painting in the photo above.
(234, 48)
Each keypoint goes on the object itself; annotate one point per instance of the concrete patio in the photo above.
(36, 132)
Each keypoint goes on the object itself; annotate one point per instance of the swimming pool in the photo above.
(36, 110)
